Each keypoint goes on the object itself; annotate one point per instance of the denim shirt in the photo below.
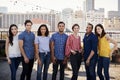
(28, 43)
(59, 45)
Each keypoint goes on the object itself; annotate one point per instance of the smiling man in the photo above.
(58, 42)
(26, 43)
(90, 42)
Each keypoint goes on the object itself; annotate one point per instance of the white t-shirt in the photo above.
(14, 50)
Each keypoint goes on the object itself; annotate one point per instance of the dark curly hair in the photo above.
(39, 31)
(10, 36)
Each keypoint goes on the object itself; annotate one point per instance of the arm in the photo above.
(37, 53)
(52, 43)
(36, 43)
(113, 42)
(23, 52)
(67, 48)
(6, 50)
(94, 48)
(52, 51)
(81, 49)
(91, 55)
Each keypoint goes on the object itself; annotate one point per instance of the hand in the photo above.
(73, 52)
(35, 58)
(65, 60)
(39, 62)
(53, 59)
(9, 61)
(111, 55)
(26, 60)
(87, 62)
(80, 51)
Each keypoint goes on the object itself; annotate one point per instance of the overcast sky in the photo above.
(58, 5)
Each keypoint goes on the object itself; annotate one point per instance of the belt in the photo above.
(45, 52)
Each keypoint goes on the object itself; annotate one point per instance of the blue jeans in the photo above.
(14, 66)
(103, 63)
(90, 70)
(45, 60)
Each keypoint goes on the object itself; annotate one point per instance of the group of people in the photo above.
(58, 49)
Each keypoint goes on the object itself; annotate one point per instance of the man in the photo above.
(58, 42)
(90, 42)
(26, 43)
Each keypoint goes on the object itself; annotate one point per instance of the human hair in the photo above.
(103, 31)
(10, 36)
(75, 25)
(27, 21)
(91, 25)
(61, 22)
(39, 30)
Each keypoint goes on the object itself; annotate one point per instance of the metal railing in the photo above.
(114, 35)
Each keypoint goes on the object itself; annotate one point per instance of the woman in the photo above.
(12, 50)
(42, 42)
(73, 49)
(104, 51)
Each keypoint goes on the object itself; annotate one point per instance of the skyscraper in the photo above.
(89, 5)
(119, 5)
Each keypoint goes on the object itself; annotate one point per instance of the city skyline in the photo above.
(35, 5)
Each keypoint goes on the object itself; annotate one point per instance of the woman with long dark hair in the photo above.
(104, 51)
(12, 50)
(42, 48)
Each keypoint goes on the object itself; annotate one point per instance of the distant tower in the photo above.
(89, 5)
(119, 5)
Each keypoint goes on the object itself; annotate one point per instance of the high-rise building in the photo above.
(71, 17)
(95, 16)
(0, 20)
(112, 14)
(66, 16)
(112, 24)
(77, 17)
(37, 18)
(89, 5)
(119, 5)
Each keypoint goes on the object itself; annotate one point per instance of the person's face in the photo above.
(43, 30)
(99, 30)
(76, 29)
(14, 30)
(28, 26)
(61, 27)
(89, 29)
